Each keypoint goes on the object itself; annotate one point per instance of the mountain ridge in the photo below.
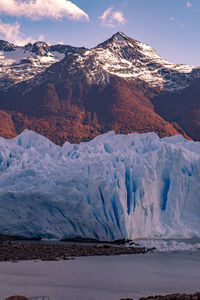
(118, 85)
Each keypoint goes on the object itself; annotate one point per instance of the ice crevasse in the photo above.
(115, 186)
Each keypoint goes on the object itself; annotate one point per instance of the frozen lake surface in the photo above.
(103, 278)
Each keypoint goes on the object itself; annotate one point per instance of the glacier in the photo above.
(112, 187)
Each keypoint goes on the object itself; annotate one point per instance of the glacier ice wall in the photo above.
(112, 187)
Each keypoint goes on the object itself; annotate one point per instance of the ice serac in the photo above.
(115, 186)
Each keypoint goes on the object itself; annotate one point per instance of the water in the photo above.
(103, 278)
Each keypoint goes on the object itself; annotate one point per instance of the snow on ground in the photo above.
(21, 65)
(115, 186)
(16, 56)
(132, 60)
(119, 56)
(103, 278)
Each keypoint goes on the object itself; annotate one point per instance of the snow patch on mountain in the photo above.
(21, 65)
(115, 186)
(119, 56)
(17, 56)
(130, 59)
(18, 64)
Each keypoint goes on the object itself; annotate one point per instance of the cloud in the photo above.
(106, 14)
(12, 33)
(189, 4)
(173, 19)
(112, 18)
(39, 9)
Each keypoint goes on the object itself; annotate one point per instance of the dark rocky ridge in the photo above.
(6, 46)
(39, 48)
(43, 49)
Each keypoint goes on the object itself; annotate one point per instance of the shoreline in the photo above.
(177, 296)
(11, 250)
(80, 240)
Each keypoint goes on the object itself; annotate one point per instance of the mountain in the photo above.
(115, 186)
(20, 64)
(75, 94)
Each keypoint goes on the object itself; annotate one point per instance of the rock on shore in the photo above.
(14, 251)
(195, 296)
(17, 298)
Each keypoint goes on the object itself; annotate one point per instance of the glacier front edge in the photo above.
(113, 187)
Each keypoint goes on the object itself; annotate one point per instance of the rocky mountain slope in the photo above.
(74, 94)
(19, 64)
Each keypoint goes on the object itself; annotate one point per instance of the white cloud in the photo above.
(39, 9)
(189, 4)
(112, 18)
(106, 14)
(177, 22)
(118, 17)
(12, 33)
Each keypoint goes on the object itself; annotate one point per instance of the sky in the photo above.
(171, 27)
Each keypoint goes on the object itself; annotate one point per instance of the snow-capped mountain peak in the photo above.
(120, 35)
(121, 85)
(123, 45)
(128, 58)
(117, 37)
(119, 56)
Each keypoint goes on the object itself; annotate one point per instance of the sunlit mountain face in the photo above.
(75, 94)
